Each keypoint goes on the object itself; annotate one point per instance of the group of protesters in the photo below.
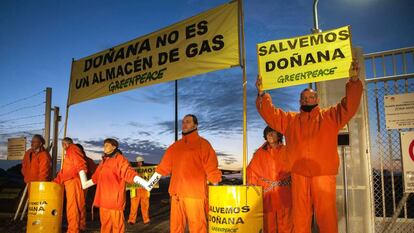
(296, 166)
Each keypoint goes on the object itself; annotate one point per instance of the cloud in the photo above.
(152, 151)
(227, 159)
(216, 99)
(155, 94)
(139, 126)
(167, 126)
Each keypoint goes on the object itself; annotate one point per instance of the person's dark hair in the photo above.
(81, 148)
(68, 140)
(308, 89)
(112, 142)
(268, 130)
(40, 137)
(195, 120)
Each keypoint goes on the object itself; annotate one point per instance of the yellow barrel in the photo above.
(235, 209)
(45, 207)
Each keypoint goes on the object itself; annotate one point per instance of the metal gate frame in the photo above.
(391, 72)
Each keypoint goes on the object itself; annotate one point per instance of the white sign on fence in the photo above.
(407, 152)
(399, 111)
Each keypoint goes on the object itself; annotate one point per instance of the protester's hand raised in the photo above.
(259, 85)
(354, 71)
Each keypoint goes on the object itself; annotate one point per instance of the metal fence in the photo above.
(388, 72)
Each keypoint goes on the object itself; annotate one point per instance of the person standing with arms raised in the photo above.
(311, 145)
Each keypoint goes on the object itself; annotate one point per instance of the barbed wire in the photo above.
(29, 132)
(20, 126)
(21, 118)
(21, 108)
(24, 98)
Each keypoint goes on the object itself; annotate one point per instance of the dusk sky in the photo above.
(38, 40)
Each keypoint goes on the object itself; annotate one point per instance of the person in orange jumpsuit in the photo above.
(111, 176)
(90, 164)
(91, 167)
(192, 162)
(269, 168)
(36, 162)
(73, 163)
(139, 195)
(311, 146)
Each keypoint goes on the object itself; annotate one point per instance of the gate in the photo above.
(387, 73)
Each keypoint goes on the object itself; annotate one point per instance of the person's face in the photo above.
(65, 145)
(36, 143)
(188, 124)
(309, 98)
(109, 148)
(272, 137)
(139, 164)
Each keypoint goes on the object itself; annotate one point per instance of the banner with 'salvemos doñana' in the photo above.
(311, 58)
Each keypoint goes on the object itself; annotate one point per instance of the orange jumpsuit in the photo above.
(36, 166)
(311, 139)
(269, 168)
(73, 163)
(141, 197)
(191, 162)
(110, 178)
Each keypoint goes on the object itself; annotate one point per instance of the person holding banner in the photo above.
(269, 168)
(111, 176)
(73, 163)
(36, 161)
(139, 195)
(192, 162)
(311, 146)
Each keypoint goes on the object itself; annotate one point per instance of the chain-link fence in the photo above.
(388, 73)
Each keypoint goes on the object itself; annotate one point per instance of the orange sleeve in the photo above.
(165, 166)
(252, 178)
(77, 164)
(125, 171)
(276, 118)
(44, 166)
(58, 178)
(95, 175)
(348, 106)
(210, 163)
(78, 159)
(63, 176)
(24, 166)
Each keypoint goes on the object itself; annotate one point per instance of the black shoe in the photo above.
(131, 223)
